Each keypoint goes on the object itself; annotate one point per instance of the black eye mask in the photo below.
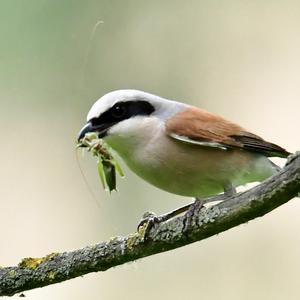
(122, 111)
(117, 113)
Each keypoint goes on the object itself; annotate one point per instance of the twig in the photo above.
(56, 267)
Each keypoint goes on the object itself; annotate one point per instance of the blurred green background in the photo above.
(240, 59)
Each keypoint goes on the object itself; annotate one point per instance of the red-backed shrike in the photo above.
(177, 147)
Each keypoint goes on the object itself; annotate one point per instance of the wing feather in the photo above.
(197, 126)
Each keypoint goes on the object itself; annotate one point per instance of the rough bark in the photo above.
(31, 273)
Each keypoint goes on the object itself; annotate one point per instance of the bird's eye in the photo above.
(119, 111)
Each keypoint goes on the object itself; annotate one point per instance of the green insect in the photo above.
(107, 164)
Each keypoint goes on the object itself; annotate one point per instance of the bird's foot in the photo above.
(148, 221)
(193, 210)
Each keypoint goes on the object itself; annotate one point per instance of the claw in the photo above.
(147, 222)
(193, 210)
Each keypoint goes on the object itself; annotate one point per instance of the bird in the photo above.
(180, 148)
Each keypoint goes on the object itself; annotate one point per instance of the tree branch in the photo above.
(56, 267)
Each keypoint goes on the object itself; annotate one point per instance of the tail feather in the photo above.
(255, 143)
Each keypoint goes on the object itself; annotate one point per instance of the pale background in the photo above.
(240, 59)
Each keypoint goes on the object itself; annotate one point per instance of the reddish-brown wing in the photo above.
(201, 127)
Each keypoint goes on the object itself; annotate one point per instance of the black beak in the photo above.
(88, 127)
(101, 129)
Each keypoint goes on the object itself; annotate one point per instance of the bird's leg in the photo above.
(162, 218)
(149, 219)
(229, 189)
(194, 208)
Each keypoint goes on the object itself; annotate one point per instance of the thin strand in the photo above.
(85, 179)
(88, 50)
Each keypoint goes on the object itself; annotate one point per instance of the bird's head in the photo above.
(122, 110)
